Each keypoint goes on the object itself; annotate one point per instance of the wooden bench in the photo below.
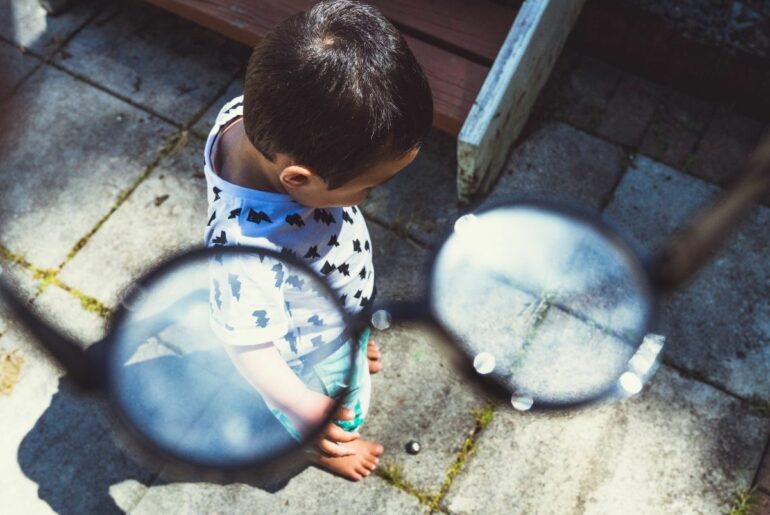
(485, 62)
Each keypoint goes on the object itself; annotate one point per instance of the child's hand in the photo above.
(332, 438)
(311, 411)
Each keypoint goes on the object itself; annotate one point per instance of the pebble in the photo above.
(413, 447)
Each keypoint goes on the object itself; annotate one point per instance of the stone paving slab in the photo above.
(72, 455)
(26, 24)
(728, 141)
(419, 396)
(15, 65)
(163, 216)
(23, 283)
(59, 440)
(561, 162)
(312, 491)
(719, 325)
(630, 110)
(763, 504)
(65, 313)
(60, 175)
(19, 411)
(207, 120)
(679, 447)
(155, 58)
(676, 128)
(400, 266)
(586, 92)
(421, 200)
(763, 476)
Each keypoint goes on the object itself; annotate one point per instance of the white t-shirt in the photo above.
(256, 301)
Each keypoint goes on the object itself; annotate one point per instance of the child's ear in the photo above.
(295, 176)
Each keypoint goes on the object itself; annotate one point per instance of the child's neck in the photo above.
(244, 165)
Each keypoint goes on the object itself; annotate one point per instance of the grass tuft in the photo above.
(393, 474)
(760, 405)
(483, 415)
(746, 502)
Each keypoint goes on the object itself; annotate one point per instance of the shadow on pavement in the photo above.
(75, 456)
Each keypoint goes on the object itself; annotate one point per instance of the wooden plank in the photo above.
(477, 29)
(454, 80)
(509, 91)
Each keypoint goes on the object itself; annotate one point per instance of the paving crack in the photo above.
(756, 404)
(47, 277)
(173, 145)
(393, 474)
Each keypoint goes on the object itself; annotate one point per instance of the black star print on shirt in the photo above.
(220, 240)
(292, 339)
(357, 245)
(235, 285)
(328, 268)
(362, 273)
(258, 217)
(315, 320)
(333, 241)
(366, 245)
(295, 219)
(278, 269)
(312, 252)
(235, 213)
(294, 280)
(213, 216)
(322, 215)
(344, 269)
(346, 217)
(261, 316)
(216, 191)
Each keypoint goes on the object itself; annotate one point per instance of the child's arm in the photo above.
(267, 371)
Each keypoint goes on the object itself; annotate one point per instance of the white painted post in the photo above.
(503, 105)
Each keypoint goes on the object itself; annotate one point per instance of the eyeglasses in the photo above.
(545, 306)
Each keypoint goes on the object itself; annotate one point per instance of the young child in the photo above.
(334, 105)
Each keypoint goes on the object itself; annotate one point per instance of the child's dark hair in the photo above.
(337, 89)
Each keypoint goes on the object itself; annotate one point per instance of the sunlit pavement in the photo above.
(102, 178)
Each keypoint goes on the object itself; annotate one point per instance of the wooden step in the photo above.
(431, 28)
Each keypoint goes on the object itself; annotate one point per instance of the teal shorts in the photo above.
(328, 377)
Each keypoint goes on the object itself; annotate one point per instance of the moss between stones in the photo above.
(49, 277)
(690, 163)
(484, 415)
(760, 405)
(174, 144)
(393, 474)
(746, 502)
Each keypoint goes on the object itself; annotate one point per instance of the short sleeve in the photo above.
(246, 299)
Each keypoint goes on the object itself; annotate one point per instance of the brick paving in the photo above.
(641, 153)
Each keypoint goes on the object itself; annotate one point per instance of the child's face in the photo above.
(314, 193)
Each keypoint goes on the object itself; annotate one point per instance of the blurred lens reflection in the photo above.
(559, 307)
(172, 374)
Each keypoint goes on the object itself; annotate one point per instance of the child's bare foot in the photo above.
(356, 466)
(373, 353)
